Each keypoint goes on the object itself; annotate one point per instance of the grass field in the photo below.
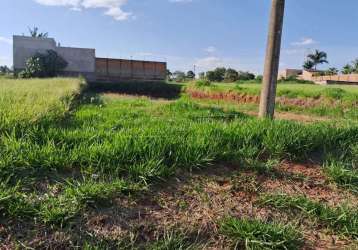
(97, 168)
(330, 101)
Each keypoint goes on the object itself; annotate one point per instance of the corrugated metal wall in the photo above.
(108, 69)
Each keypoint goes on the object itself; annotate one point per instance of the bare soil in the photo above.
(196, 202)
(193, 203)
(242, 98)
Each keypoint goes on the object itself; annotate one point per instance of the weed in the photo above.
(255, 234)
(342, 218)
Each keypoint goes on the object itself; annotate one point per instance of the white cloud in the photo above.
(5, 40)
(209, 63)
(112, 8)
(304, 42)
(210, 49)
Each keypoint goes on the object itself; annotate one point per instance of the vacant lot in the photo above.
(334, 101)
(100, 169)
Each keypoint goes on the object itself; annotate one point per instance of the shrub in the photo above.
(334, 93)
(255, 234)
(202, 83)
(44, 65)
(259, 78)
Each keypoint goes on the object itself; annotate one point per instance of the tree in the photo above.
(317, 58)
(355, 66)
(4, 70)
(169, 75)
(34, 32)
(220, 73)
(211, 76)
(202, 75)
(308, 65)
(246, 76)
(179, 76)
(190, 75)
(231, 75)
(332, 71)
(347, 69)
(259, 78)
(44, 65)
(216, 75)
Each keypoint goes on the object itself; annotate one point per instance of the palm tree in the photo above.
(308, 65)
(332, 71)
(34, 32)
(317, 58)
(347, 69)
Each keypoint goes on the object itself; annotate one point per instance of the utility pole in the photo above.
(269, 84)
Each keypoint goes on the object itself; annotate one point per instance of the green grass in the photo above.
(255, 234)
(344, 174)
(342, 219)
(145, 141)
(29, 101)
(86, 153)
(294, 90)
(173, 240)
(344, 96)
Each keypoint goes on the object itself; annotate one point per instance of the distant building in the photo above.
(83, 61)
(287, 73)
(318, 77)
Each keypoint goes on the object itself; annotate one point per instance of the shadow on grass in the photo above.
(150, 89)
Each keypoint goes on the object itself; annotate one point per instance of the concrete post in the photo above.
(269, 84)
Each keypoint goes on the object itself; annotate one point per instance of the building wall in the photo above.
(80, 61)
(84, 62)
(108, 69)
(25, 47)
(284, 74)
(347, 79)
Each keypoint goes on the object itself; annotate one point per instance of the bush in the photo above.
(334, 93)
(44, 65)
(202, 83)
(259, 78)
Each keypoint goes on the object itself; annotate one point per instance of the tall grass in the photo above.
(28, 101)
(255, 234)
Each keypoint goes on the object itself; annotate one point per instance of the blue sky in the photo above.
(205, 33)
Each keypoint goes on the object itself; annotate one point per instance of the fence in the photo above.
(347, 79)
(108, 69)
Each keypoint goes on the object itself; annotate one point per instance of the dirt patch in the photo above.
(198, 201)
(194, 202)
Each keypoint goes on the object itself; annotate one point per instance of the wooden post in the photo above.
(269, 84)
